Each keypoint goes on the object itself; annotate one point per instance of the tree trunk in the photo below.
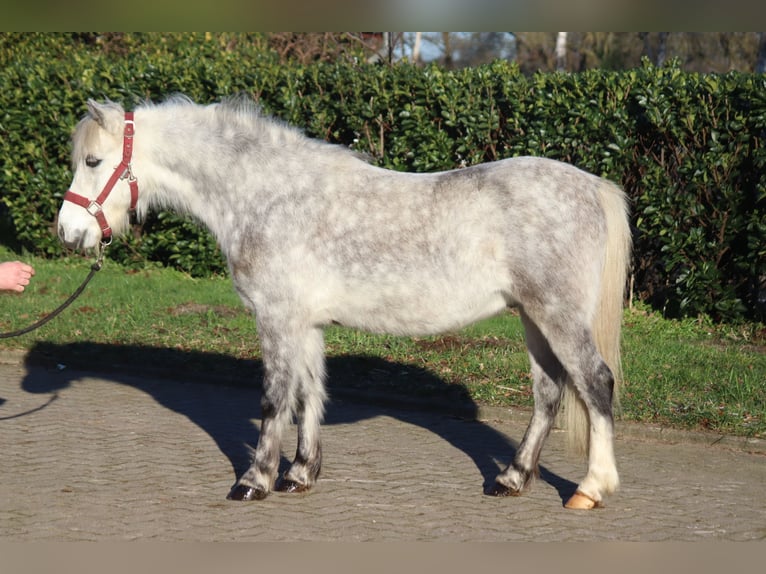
(561, 51)
(662, 48)
(447, 50)
(416, 47)
(760, 64)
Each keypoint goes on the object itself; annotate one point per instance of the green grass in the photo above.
(688, 374)
(692, 373)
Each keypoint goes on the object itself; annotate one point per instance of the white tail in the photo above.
(607, 323)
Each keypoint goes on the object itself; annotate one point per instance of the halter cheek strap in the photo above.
(122, 171)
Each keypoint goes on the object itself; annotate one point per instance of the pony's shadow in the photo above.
(228, 419)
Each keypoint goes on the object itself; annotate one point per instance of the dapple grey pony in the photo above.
(315, 235)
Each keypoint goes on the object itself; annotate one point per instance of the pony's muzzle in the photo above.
(77, 240)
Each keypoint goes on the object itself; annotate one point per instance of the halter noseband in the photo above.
(122, 171)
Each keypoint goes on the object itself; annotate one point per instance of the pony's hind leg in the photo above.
(595, 385)
(549, 379)
(293, 383)
(593, 382)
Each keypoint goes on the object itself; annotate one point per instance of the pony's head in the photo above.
(103, 189)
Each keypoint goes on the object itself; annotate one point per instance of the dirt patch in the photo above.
(201, 309)
(457, 343)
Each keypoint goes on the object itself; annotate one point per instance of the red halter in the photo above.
(122, 171)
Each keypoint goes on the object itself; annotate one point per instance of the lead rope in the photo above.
(93, 268)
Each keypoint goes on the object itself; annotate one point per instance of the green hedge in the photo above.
(688, 148)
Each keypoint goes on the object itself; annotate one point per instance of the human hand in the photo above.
(15, 275)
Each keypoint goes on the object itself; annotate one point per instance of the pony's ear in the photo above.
(109, 115)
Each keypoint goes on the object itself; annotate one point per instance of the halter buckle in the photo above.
(128, 173)
(130, 126)
(94, 208)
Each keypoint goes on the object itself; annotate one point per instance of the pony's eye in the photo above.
(91, 161)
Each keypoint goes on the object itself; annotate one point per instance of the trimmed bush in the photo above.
(688, 148)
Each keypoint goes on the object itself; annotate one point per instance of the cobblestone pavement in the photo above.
(113, 457)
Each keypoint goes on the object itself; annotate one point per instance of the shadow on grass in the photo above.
(360, 387)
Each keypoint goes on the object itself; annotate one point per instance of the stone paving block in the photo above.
(111, 457)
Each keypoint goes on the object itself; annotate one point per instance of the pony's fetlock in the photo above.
(301, 476)
(513, 481)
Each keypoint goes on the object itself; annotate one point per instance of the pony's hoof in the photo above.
(290, 486)
(580, 501)
(245, 492)
(498, 489)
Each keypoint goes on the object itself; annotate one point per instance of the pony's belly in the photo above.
(416, 315)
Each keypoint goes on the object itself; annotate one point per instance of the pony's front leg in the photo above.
(293, 383)
(304, 471)
(258, 480)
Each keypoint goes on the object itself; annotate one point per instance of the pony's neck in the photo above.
(215, 162)
(184, 164)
